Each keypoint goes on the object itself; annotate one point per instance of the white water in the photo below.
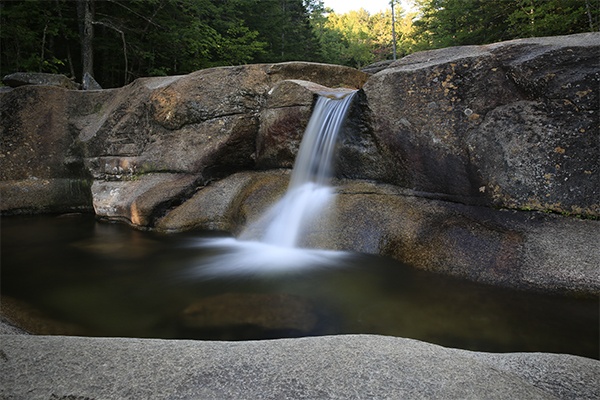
(309, 192)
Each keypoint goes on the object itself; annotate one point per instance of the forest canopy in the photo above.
(117, 41)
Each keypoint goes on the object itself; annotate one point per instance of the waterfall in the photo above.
(309, 191)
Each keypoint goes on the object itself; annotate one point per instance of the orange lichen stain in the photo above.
(559, 150)
(548, 176)
(557, 166)
(587, 172)
(447, 86)
(582, 130)
(494, 69)
(473, 117)
(584, 92)
(447, 82)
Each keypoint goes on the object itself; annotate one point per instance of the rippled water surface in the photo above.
(106, 279)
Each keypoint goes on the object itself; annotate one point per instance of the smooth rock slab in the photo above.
(35, 195)
(330, 367)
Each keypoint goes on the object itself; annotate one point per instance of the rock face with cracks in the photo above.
(514, 124)
(441, 153)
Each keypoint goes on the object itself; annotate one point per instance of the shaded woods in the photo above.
(117, 41)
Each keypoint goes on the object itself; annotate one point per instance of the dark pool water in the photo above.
(107, 279)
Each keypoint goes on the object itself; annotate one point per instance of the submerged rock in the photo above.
(22, 318)
(268, 312)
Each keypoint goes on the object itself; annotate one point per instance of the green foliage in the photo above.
(357, 38)
(551, 17)
(284, 26)
(29, 30)
(135, 38)
(444, 23)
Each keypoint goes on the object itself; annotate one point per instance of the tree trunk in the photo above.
(393, 29)
(85, 15)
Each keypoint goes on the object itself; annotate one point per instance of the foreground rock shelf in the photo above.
(333, 367)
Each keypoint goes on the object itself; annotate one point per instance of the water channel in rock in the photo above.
(81, 276)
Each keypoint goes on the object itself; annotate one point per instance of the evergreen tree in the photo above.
(552, 17)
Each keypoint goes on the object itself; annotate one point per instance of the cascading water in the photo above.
(309, 191)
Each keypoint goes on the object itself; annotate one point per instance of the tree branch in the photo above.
(136, 13)
(111, 26)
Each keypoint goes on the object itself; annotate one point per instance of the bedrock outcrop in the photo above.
(436, 145)
(512, 124)
(143, 146)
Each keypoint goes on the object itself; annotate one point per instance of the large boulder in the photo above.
(455, 134)
(513, 124)
(209, 124)
(288, 108)
(222, 205)
(266, 312)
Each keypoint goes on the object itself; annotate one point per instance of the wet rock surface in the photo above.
(525, 250)
(19, 317)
